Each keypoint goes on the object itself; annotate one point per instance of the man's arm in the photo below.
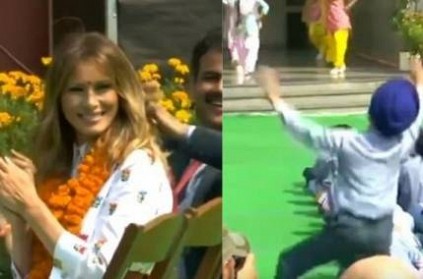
(308, 132)
(198, 142)
(204, 145)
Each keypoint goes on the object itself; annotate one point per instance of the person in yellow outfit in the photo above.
(312, 16)
(338, 26)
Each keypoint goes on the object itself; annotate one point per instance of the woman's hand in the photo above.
(23, 162)
(5, 226)
(249, 270)
(228, 269)
(17, 187)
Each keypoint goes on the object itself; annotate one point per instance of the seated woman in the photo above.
(99, 167)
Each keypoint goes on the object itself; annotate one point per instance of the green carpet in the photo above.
(264, 195)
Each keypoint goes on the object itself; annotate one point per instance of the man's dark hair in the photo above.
(212, 41)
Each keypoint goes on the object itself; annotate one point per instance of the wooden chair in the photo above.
(204, 230)
(143, 248)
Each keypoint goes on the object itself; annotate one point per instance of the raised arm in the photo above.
(308, 132)
(350, 4)
(264, 6)
(198, 142)
(412, 133)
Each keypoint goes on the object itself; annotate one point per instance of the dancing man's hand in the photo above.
(416, 70)
(167, 123)
(268, 79)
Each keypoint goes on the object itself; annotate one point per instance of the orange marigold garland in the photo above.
(69, 202)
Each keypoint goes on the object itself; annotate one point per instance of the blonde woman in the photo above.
(99, 167)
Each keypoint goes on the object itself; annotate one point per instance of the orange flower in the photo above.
(83, 168)
(69, 202)
(73, 219)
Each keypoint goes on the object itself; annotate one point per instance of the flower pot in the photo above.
(404, 60)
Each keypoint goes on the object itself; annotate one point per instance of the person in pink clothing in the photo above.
(338, 26)
(312, 16)
(243, 24)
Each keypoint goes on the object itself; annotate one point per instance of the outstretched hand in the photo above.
(268, 79)
(416, 70)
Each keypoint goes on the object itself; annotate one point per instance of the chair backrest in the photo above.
(142, 247)
(205, 224)
(205, 230)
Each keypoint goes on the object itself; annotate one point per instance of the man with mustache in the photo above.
(198, 183)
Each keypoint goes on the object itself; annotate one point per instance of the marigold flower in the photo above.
(168, 104)
(156, 76)
(72, 219)
(173, 96)
(71, 208)
(145, 76)
(150, 68)
(180, 95)
(46, 60)
(182, 69)
(179, 80)
(5, 119)
(186, 104)
(174, 62)
(183, 115)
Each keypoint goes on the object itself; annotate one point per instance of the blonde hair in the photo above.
(130, 129)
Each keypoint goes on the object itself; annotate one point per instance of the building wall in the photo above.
(77, 16)
(373, 32)
(155, 30)
(24, 34)
(274, 25)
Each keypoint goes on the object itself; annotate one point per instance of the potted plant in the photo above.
(408, 20)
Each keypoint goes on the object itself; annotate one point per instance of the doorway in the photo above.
(297, 38)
